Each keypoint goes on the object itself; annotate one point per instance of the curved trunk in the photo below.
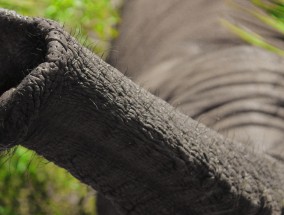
(77, 111)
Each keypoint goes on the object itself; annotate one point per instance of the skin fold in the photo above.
(134, 148)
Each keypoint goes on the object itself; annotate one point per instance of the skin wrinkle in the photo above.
(192, 86)
(212, 84)
(246, 106)
(224, 98)
(199, 111)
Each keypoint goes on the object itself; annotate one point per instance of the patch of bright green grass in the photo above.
(94, 19)
(269, 12)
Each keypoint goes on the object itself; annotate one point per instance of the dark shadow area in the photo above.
(22, 48)
(105, 206)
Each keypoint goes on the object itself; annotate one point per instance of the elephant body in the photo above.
(151, 155)
(200, 67)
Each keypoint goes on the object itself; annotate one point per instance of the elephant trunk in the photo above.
(72, 108)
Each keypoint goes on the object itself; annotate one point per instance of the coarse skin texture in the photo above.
(77, 111)
(190, 60)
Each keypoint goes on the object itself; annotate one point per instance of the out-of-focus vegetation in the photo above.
(269, 12)
(28, 183)
(31, 185)
(94, 19)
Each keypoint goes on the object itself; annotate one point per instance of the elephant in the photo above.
(209, 142)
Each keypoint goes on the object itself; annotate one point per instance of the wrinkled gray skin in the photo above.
(138, 151)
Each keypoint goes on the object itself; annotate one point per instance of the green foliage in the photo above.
(28, 183)
(269, 12)
(31, 185)
(96, 19)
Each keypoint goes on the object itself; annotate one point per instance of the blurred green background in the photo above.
(270, 13)
(30, 185)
